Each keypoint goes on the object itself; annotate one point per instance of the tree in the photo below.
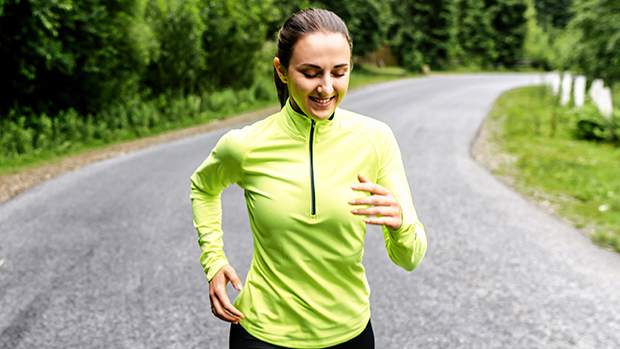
(283, 10)
(475, 39)
(62, 53)
(420, 33)
(367, 22)
(509, 28)
(235, 32)
(597, 28)
(554, 13)
(180, 61)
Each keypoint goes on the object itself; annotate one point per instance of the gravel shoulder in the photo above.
(12, 185)
(486, 153)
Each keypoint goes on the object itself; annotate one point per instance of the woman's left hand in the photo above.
(384, 202)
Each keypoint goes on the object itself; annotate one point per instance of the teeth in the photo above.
(322, 101)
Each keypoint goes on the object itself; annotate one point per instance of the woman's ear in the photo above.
(280, 70)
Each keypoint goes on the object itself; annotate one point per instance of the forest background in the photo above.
(91, 72)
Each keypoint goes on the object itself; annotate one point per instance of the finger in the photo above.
(376, 200)
(388, 221)
(221, 306)
(231, 275)
(226, 305)
(362, 179)
(365, 182)
(222, 314)
(377, 211)
(371, 188)
(216, 307)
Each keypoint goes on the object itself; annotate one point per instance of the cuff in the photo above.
(211, 270)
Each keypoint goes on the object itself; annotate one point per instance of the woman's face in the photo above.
(318, 74)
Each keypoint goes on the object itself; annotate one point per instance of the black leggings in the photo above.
(241, 339)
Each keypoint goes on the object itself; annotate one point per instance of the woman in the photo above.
(312, 174)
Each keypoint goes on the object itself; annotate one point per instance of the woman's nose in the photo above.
(325, 87)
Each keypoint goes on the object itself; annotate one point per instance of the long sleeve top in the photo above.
(306, 286)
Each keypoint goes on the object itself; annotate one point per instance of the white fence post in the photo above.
(605, 105)
(579, 90)
(567, 82)
(595, 90)
(553, 80)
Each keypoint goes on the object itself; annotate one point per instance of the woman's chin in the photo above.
(321, 113)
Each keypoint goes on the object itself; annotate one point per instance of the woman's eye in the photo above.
(338, 74)
(310, 75)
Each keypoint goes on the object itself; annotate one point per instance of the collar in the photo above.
(298, 125)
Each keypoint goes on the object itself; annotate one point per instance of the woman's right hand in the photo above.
(220, 303)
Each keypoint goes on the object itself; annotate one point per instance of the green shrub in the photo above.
(221, 101)
(45, 133)
(15, 137)
(589, 124)
(263, 90)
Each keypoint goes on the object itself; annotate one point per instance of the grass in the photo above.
(579, 179)
(362, 75)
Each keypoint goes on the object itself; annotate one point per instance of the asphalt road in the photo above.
(106, 256)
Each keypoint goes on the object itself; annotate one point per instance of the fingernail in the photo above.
(366, 220)
(352, 202)
(353, 211)
(354, 187)
(239, 287)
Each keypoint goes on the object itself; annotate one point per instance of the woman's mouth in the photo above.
(323, 101)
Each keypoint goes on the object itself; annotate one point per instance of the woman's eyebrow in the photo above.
(314, 66)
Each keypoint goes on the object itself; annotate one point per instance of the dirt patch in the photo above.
(487, 153)
(12, 185)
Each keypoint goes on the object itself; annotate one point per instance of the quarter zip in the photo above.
(311, 153)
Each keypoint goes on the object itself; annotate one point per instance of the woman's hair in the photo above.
(305, 22)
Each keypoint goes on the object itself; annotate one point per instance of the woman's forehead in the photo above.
(321, 49)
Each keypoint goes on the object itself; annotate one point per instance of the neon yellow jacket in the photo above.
(306, 287)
